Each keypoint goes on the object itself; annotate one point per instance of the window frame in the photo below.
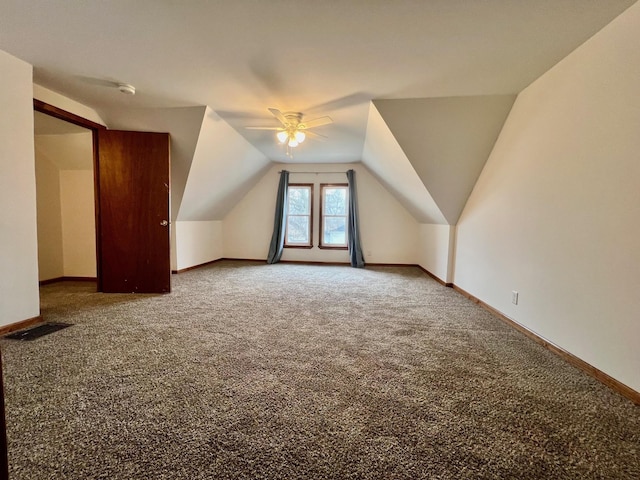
(321, 244)
(286, 231)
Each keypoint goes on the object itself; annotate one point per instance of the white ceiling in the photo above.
(240, 57)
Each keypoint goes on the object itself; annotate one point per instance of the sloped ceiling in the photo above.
(240, 57)
(224, 169)
(447, 141)
(48, 125)
(71, 151)
(73, 144)
(386, 160)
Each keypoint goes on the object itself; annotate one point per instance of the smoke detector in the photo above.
(127, 89)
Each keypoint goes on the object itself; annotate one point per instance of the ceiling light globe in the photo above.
(293, 142)
(300, 136)
(127, 89)
(282, 136)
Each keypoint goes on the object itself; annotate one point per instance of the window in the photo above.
(299, 215)
(334, 211)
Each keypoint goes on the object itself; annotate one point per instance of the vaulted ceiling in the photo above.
(418, 89)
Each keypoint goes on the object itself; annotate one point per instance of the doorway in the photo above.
(65, 200)
(131, 229)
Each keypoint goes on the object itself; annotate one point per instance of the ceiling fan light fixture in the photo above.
(127, 89)
(292, 131)
(282, 136)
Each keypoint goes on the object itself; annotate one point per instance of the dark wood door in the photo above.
(133, 204)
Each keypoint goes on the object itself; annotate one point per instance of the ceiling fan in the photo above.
(294, 130)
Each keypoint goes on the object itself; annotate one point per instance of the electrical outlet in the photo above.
(514, 297)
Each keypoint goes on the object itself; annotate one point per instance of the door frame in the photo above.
(48, 109)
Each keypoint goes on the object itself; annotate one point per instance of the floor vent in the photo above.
(38, 331)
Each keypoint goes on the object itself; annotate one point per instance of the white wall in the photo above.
(389, 233)
(555, 214)
(64, 103)
(197, 242)
(18, 237)
(66, 206)
(50, 256)
(78, 223)
(435, 250)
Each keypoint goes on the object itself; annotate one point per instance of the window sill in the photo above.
(327, 247)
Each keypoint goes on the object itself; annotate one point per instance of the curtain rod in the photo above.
(311, 172)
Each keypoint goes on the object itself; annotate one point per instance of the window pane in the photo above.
(298, 230)
(299, 215)
(335, 201)
(299, 200)
(335, 231)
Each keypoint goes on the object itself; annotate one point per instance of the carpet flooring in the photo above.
(253, 371)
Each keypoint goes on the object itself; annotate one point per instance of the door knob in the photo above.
(164, 223)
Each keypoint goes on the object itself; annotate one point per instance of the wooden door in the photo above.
(133, 204)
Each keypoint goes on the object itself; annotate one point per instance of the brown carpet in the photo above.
(249, 371)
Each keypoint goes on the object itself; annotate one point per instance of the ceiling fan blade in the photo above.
(309, 133)
(316, 122)
(264, 128)
(278, 114)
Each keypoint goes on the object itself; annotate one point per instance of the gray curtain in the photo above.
(279, 221)
(355, 250)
